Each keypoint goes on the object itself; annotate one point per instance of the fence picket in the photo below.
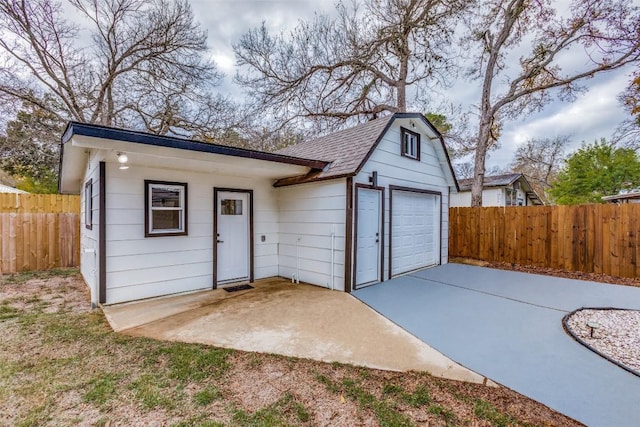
(589, 238)
(39, 231)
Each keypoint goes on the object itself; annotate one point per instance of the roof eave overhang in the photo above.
(83, 129)
(80, 138)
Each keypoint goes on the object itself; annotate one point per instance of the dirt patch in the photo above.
(60, 364)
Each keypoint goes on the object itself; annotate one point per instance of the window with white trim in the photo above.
(410, 143)
(165, 208)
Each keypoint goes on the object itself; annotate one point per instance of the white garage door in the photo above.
(415, 230)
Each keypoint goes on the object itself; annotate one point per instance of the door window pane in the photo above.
(231, 207)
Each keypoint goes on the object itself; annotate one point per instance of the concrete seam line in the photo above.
(569, 332)
(491, 294)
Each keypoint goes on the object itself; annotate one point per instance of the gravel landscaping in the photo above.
(616, 335)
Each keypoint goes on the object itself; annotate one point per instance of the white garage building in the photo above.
(164, 215)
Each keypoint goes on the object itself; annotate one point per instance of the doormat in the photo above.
(238, 288)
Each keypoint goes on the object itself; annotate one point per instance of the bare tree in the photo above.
(464, 170)
(540, 160)
(143, 66)
(356, 66)
(628, 133)
(602, 34)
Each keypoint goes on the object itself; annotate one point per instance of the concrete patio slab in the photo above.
(508, 326)
(290, 319)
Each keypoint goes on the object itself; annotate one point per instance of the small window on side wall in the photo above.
(165, 208)
(410, 144)
(88, 204)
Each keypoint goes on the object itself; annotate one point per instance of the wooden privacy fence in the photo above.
(39, 232)
(589, 238)
(39, 203)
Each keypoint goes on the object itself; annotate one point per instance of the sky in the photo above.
(594, 114)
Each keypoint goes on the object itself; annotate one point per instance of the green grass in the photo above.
(285, 412)
(444, 413)
(152, 392)
(385, 411)
(190, 362)
(155, 376)
(487, 411)
(8, 312)
(23, 277)
(36, 416)
(419, 397)
(207, 396)
(327, 382)
(102, 388)
(51, 359)
(198, 422)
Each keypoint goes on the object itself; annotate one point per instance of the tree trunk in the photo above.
(403, 54)
(402, 97)
(480, 159)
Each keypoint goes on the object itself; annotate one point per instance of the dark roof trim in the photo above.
(410, 116)
(97, 131)
(306, 179)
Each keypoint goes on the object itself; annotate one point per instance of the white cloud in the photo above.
(225, 61)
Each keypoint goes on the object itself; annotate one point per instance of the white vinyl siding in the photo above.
(490, 197)
(394, 169)
(89, 248)
(139, 267)
(309, 214)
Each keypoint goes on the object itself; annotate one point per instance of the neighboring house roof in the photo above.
(634, 194)
(503, 180)
(8, 189)
(349, 149)
(491, 181)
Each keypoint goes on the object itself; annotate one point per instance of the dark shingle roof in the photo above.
(491, 181)
(345, 149)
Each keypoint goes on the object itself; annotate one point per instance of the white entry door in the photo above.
(369, 236)
(415, 230)
(233, 236)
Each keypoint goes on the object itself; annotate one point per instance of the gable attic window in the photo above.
(410, 143)
(165, 205)
(88, 204)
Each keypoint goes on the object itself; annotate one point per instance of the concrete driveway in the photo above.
(508, 326)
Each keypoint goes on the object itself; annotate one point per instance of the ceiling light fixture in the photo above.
(123, 159)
